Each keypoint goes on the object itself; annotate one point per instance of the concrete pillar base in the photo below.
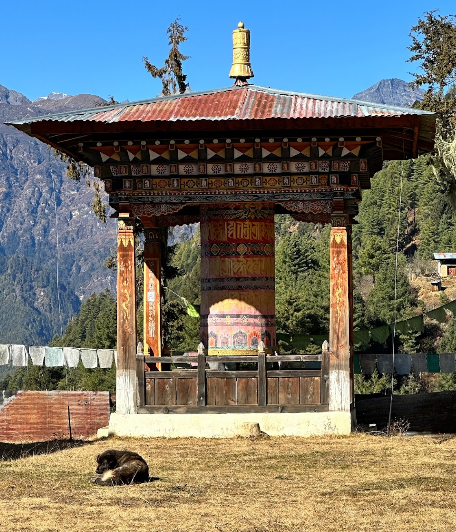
(230, 425)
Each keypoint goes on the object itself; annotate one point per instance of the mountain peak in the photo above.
(12, 97)
(52, 96)
(392, 91)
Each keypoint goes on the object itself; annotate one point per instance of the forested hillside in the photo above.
(52, 246)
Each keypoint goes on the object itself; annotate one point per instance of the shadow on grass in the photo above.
(14, 451)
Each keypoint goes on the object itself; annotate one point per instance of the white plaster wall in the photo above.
(227, 425)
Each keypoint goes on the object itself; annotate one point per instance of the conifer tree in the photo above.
(171, 75)
(434, 48)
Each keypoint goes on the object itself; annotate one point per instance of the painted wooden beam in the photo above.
(341, 320)
(126, 318)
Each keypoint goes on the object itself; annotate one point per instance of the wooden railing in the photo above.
(268, 387)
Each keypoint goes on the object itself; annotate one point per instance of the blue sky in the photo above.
(330, 47)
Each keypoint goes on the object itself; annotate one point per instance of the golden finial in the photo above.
(241, 69)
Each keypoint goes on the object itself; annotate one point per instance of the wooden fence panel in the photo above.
(186, 392)
(165, 391)
(211, 391)
(202, 387)
(225, 392)
(273, 391)
(247, 391)
(289, 391)
(324, 391)
(140, 367)
(150, 392)
(309, 390)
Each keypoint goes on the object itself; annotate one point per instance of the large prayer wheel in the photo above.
(237, 278)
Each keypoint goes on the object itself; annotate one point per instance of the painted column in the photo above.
(340, 320)
(152, 292)
(237, 278)
(126, 318)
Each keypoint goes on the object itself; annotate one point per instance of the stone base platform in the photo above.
(228, 425)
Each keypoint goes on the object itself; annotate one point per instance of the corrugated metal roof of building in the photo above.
(249, 102)
(440, 256)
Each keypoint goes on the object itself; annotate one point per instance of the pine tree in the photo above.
(171, 75)
(95, 325)
(434, 48)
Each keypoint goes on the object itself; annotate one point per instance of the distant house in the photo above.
(447, 264)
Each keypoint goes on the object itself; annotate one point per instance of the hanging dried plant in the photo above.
(77, 171)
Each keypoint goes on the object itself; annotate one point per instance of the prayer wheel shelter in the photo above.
(231, 159)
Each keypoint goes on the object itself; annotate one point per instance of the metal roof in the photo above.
(443, 256)
(248, 102)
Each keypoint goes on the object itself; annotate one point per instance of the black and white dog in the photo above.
(120, 467)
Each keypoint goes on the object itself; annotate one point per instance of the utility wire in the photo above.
(58, 250)
(395, 300)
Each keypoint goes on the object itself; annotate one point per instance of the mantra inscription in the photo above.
(237, 278)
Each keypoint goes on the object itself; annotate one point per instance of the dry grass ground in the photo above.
(431, 299)
(355, 483)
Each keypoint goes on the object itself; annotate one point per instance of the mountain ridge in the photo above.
(392, 91)
(46, 223)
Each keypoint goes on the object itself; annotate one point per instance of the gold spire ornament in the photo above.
(241, 69)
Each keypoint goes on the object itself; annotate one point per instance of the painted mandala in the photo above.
(188, 169)
(273, 167)
(244, 168)
(216, 168)
(300, 167)
(161, 169)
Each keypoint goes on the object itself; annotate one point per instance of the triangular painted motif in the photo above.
(271, 150)
(158, 152)
(242, 152)
(325, 148)
(352, 148)
(299, 149)
(188, 153)
(107, 153)
(215, 152)
(133, 152)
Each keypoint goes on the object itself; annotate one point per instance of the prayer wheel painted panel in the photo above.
(152, 293)
(237, 278)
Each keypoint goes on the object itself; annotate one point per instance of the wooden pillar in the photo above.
(152, 292)
(340, 320)
(126, 317)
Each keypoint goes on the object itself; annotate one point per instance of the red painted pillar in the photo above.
(152, 292)
(237, 278)
(341, 320)
(126, 317)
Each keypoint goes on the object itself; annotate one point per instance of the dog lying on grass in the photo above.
(120, 467)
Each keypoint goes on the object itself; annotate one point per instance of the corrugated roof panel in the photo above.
(240, 103)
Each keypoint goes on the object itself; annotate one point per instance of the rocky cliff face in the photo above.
(47, 229)
(391, 92)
